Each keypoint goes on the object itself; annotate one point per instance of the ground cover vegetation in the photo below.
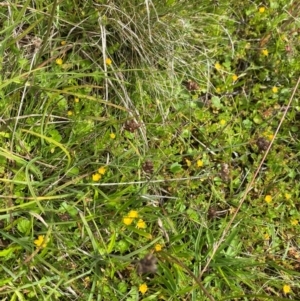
(149, 150)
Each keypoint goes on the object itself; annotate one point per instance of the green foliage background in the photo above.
(176, 102)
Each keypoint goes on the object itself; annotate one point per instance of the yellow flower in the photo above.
(200, 163)
(218, 66)
(158, 247)
(266, 236)
(288, 196)
(141, 224)
(294, 222)
(133, 214)
(286, 289)
(188, 162)
(41, 242)
(102, 170)
(108, 61)
(274, 89)
(270, 137)
(268, 198)
(63, 43)
(265, 52)
(112, 136)
(261, 9)
(234, 77)
(59, 61)
(127, 220)
(143, 288)
(218, 90)
(76, 99)
(70, 113)
(96, 177)
(222, 121)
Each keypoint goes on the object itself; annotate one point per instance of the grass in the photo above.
(161, 131)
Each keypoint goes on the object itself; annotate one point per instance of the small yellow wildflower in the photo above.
(143, 288)
(108, 61)
(76, 99)
(270, 137)
(141, 224)
(188, 162)
(158, 247)
(96, 177)
(268, 198)
(234, 77)
(200, 163)
(102, 170)
(266, 236)
(222, 121)
(63, 43)
(218, 90)
(275, 89)
(218, 66)
(41, 242)
(261, 9)
(70, 113)
(59, 61)
(133, 214)
(112, 136)
(294, 222)
(288, 196)
(286, 289)
(127, 220)
(265, 52)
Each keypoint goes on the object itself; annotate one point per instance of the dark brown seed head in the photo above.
(131, 125)
(262, 143)
(191, 85)
(147, 265)
(148, 166)
(225, 172)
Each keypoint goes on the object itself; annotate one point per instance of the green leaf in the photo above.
(7, 252)
(112, 243)
(5, 281)
(140, 232)
(65, 207)
(216, 102)
(23, 225)
(175, 167)
(257, 119)
(73, 171)
(55, 135)
(122, 246)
